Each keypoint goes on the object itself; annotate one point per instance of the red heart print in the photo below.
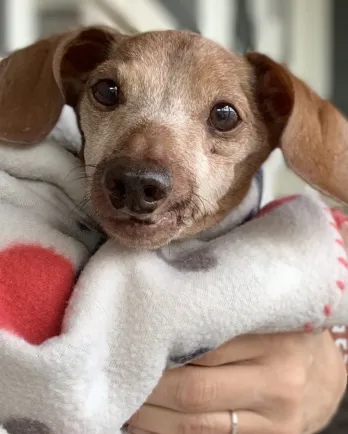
(35, 286)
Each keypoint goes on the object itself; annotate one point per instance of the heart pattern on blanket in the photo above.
(35, 286)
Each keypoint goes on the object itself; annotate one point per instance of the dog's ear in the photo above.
(311, 132)
(36, 81)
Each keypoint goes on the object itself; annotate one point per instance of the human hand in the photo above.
(282, 383)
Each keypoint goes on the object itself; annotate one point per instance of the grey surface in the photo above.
(184, 11)
(340, 55)
(244, 38)
(57, 20)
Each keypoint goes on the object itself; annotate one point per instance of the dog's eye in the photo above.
(106, 92)
(224, 117)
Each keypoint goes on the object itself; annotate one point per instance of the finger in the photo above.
(162, 421)
(249, 348)
(195, 389)
(237, 350)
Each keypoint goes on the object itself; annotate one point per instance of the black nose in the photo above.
(137, 187)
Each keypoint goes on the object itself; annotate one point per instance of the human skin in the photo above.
(281, 383)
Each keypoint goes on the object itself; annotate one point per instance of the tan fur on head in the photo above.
(168, 83)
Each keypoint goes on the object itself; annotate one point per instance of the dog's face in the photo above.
(172, 136)
(174, 125)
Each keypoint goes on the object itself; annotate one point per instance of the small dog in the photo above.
(174, 126)
(175, 129)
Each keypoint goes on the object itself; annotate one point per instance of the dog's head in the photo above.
(174, 126)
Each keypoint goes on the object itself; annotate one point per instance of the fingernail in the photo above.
(133, 430)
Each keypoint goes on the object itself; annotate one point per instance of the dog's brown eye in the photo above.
(224, 117)
(106, 92)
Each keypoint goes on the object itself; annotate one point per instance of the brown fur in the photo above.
(168, 83)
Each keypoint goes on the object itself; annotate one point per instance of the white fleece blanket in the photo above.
(81, 359)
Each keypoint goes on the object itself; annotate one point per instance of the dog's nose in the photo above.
(136, 187)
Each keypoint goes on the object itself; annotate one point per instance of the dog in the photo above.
(174, 126)
(174, 131)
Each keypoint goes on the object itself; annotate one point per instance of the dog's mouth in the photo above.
(149, 231)
(142, 231)
(125, 218)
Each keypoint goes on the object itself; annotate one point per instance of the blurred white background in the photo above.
(296, 32)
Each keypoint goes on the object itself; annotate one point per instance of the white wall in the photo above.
(91, 14)
(141, 15)
(21, 23)
(214, 22)
(312, 37)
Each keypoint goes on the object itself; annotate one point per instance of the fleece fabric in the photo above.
(87, 327)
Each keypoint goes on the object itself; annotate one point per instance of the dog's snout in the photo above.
(136, 187)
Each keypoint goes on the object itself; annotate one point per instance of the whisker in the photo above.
(202, 199)
(80, 206)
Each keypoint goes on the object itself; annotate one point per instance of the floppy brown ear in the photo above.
(311, 132)
(36, 81)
